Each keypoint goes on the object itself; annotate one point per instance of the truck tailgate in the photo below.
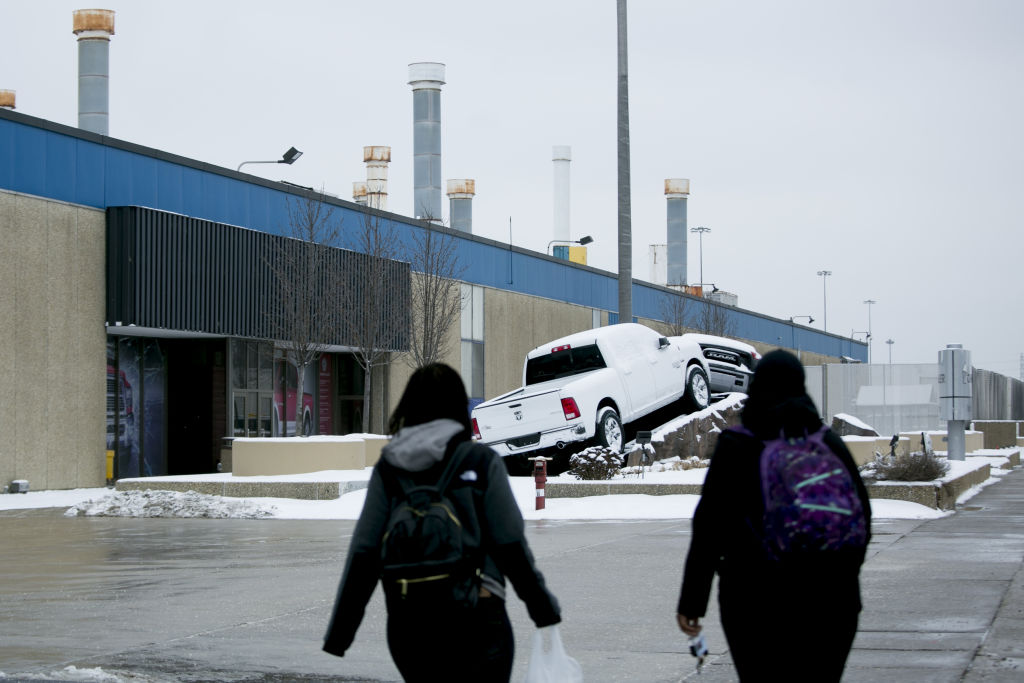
(519, 415)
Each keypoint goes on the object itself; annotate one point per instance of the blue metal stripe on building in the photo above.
(59, 162)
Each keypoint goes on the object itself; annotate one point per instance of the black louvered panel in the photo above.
(173, 272)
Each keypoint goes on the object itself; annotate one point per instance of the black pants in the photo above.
(790, 645)
(453, 645)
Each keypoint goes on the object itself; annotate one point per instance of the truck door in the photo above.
(635, 360)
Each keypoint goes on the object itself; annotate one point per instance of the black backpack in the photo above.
(424, 561)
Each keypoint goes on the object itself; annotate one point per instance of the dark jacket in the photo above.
(727, 527)
(490, 516)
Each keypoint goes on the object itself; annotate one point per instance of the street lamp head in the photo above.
(290, 156)
(586, 239)
(700, 229)
(825, 272)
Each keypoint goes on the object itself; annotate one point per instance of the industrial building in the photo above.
(141, 315)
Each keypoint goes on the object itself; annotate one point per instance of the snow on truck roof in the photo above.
(593, 336)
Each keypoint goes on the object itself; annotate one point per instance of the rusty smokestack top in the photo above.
(677, 191)
(6, 99)
(93, 28)
(460, 204)
(426, 79)
(377, 158)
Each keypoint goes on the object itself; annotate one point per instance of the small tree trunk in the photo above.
(367, 378)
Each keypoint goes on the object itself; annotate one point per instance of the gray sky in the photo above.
(879, 139)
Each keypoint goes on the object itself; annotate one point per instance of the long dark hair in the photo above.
(435, 391)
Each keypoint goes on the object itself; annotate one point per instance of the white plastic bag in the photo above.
(552, 664)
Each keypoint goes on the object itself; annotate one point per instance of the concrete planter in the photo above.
(940, 495)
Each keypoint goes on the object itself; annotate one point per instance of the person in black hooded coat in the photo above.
(454, 644)
(784, 620)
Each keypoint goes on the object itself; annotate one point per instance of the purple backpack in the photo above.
(810, 500)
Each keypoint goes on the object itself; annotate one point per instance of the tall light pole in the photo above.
(890, 342)
(625, 206)
(870, 303)
(700, 230)
(824, 318)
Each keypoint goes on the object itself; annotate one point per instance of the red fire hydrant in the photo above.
(540, 475)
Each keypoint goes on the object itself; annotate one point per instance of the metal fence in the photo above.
(905, 397)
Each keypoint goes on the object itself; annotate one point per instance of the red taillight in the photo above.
(476, 430)
(570, 409)
(563, 347)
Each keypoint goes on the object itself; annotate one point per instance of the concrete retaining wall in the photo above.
(941, 495)
(269, 457)
(319, 490)
(583, 489)
(997, 433)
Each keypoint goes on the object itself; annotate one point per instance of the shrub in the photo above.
(597, 463)
(910, 467)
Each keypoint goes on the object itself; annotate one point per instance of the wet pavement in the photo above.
(194, 600)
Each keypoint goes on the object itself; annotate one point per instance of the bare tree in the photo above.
(714, 319)
(436, 297)
(374, 313)
(673, 311)
(303, 313)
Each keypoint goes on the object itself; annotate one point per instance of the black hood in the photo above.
(777, 399)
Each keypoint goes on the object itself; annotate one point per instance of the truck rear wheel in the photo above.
(609, 429)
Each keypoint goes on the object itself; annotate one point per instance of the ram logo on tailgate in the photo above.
(518, 414)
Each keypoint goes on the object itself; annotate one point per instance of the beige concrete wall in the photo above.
(298, 455)
(514, 324)
(998, 433)
(52, 343)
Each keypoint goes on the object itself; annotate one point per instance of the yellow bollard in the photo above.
(110, 468)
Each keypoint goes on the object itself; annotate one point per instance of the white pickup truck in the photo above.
(588, 384)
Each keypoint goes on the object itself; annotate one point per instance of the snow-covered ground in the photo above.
(102, 501)
(106, 502)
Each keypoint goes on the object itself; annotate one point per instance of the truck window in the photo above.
(563, 363)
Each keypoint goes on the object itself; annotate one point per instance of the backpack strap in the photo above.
(454, 460)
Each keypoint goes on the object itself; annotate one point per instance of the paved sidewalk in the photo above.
(945, 602)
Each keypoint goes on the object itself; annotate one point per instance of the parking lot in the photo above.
(247, 600)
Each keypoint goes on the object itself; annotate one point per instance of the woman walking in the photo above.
(461, 643)
(790, 616)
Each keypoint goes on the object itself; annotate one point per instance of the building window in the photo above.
(472, 336)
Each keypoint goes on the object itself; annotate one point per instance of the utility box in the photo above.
(955, 386)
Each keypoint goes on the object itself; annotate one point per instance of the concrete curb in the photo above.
(937, 495)
(318, 490)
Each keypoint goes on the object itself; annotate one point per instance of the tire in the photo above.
(609, 429)
(697, 395)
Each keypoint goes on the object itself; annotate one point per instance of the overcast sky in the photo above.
(879, 139)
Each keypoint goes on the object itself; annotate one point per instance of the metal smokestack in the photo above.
(6, 99)
(377, 159)
(460, 206)
(677, 190)
(561, 155)
(93, 28)
(359, 192)
(426, 79)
